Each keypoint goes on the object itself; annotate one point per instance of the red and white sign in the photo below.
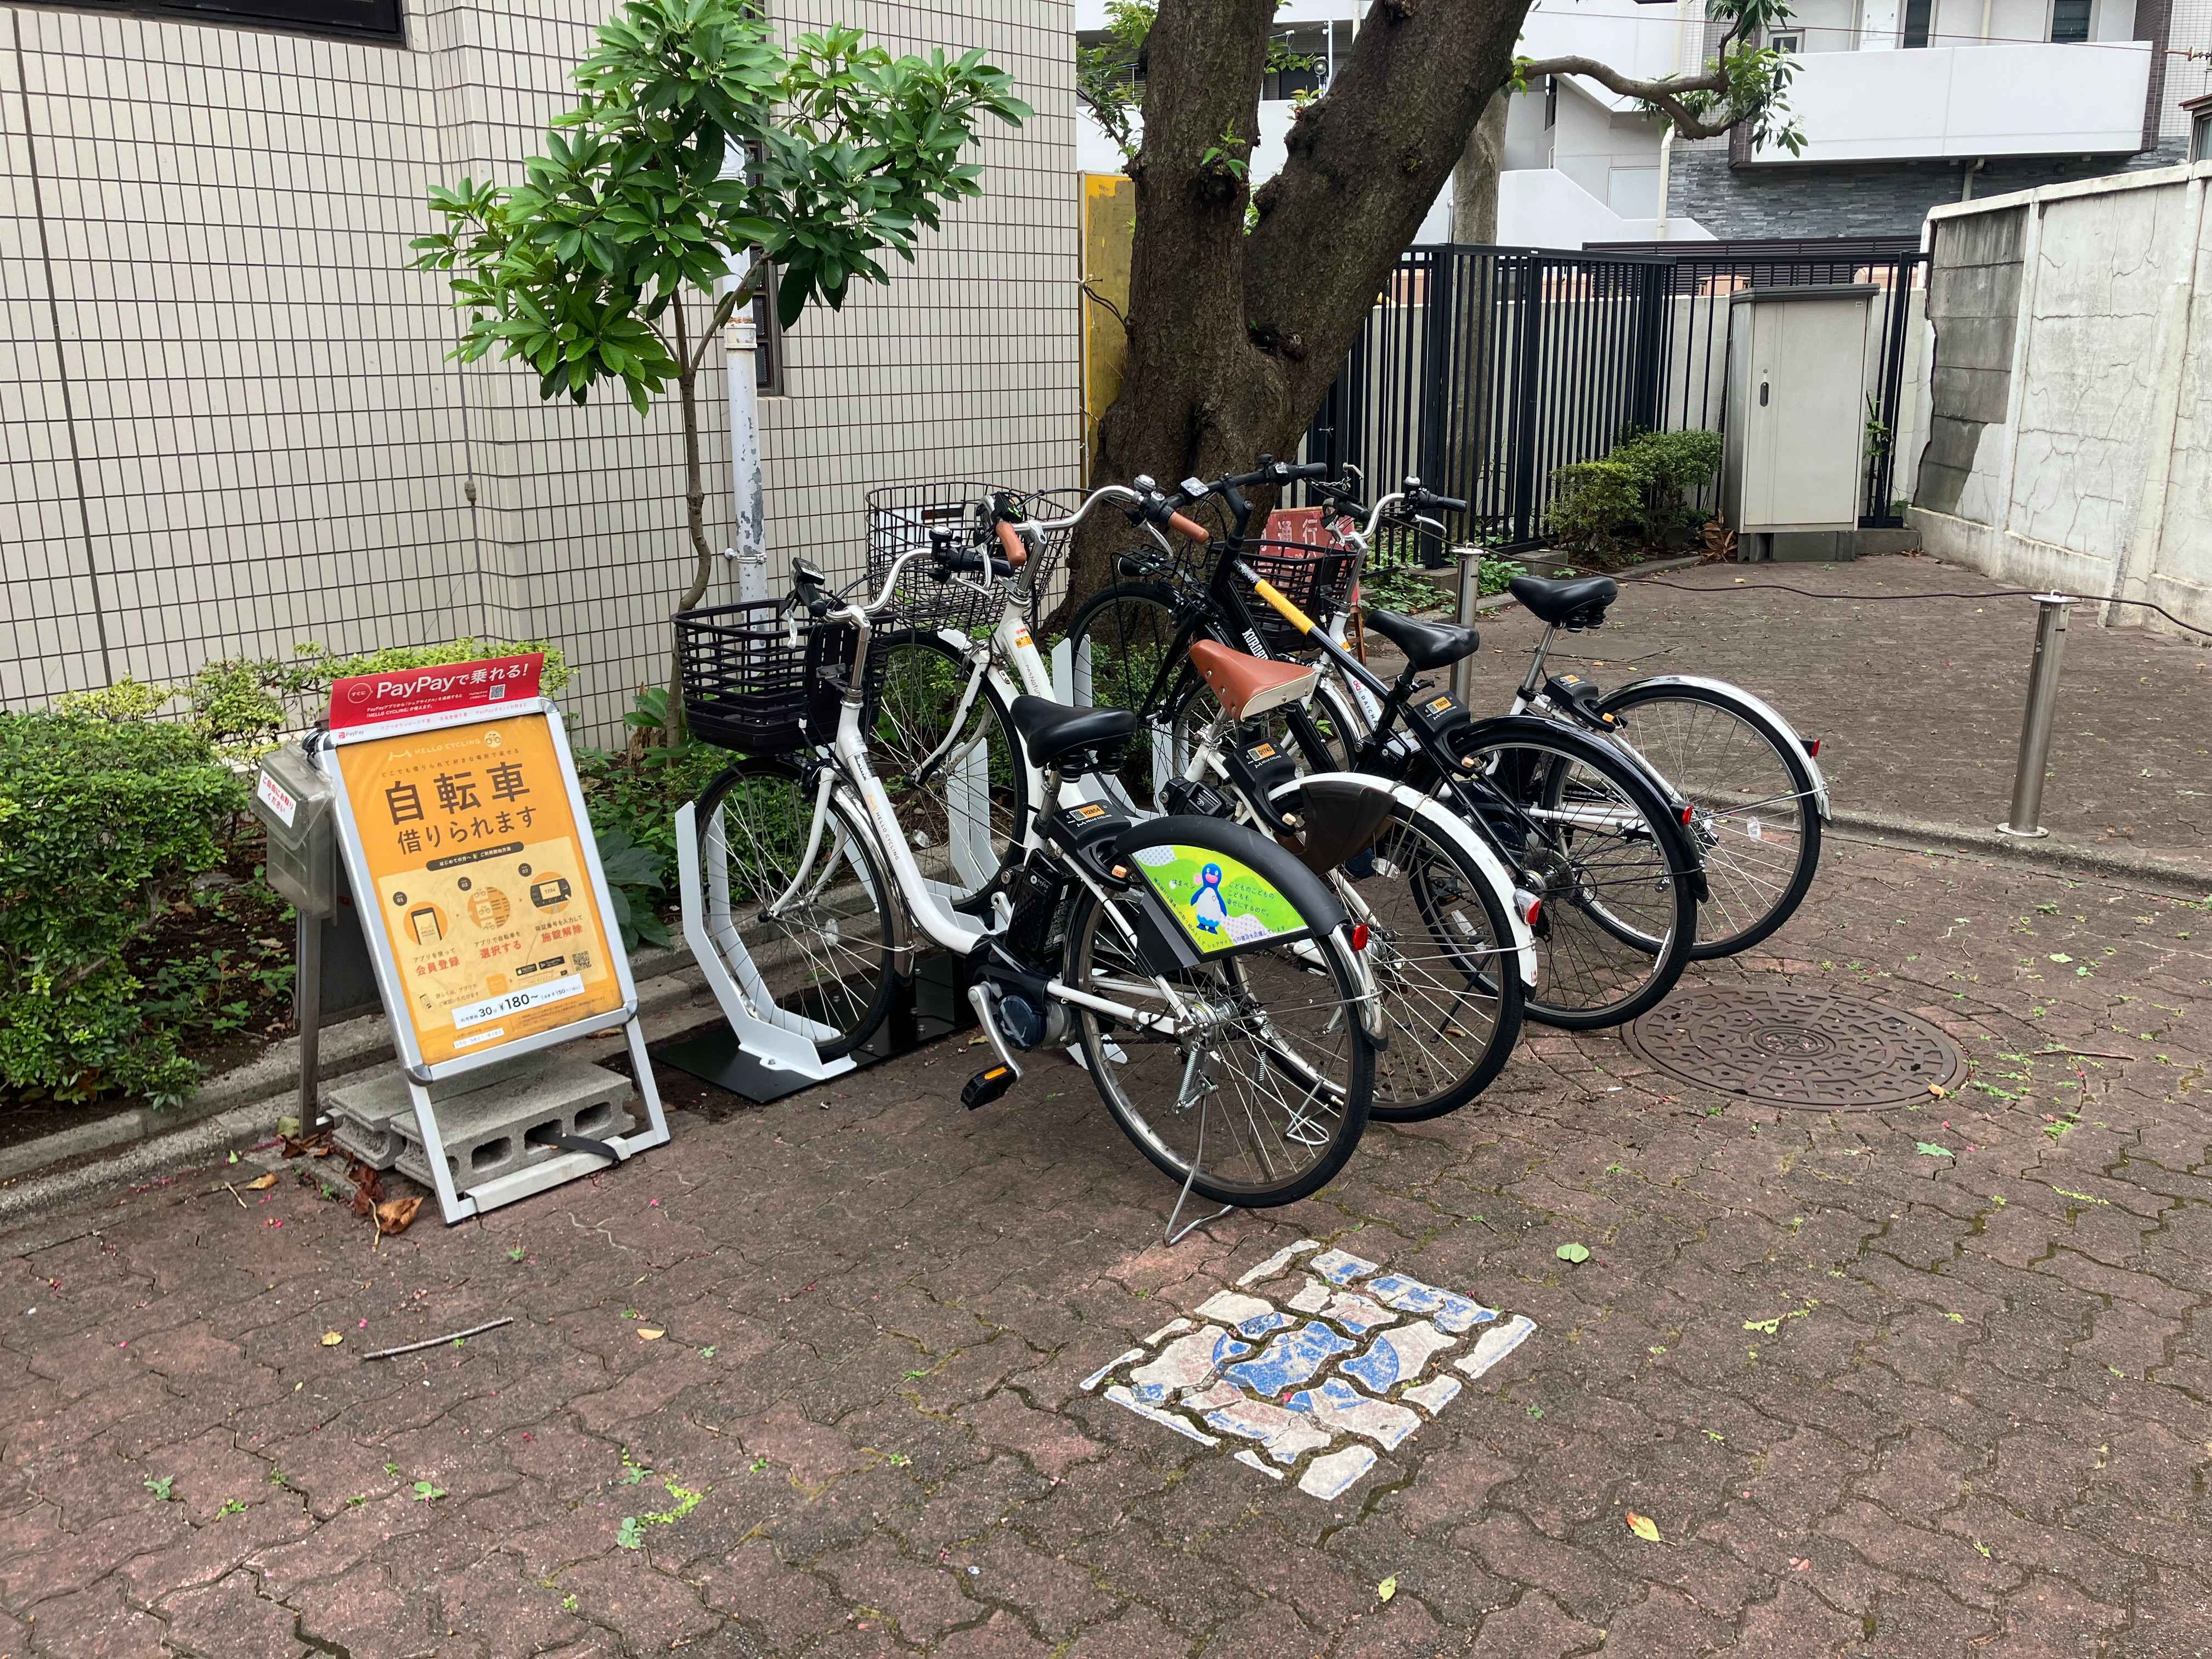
(406, 694)
(279, 799)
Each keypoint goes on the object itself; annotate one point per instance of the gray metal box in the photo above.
(1794, 456)
(296, 803)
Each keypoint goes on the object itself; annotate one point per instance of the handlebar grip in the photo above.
(1010, 541)
(1189, 528)
(1442, 503)
(1310, 470)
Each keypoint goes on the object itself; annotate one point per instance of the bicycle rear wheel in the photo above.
(1589, 837)
(1756, 823)
(1269, 1092)
(1442, 949)
(821, 946)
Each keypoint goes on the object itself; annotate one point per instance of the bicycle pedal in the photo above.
(986, 1086)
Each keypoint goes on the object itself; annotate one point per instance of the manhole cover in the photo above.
(1792, 1047)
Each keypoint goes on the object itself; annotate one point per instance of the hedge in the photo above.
(99, 821)
(1635, 497)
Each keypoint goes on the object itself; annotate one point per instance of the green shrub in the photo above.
(243, 703)
(100, 820)
(1636, 497)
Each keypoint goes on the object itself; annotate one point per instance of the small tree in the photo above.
(581, 270)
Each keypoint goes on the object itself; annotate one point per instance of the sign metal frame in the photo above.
(458, 1205)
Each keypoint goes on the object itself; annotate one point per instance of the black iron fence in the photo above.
(1486, 369)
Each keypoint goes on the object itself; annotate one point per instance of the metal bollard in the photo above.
(1470, 590)
(2035, 724)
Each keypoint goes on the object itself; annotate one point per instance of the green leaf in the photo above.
(1929, 1149)
(1575, 1253)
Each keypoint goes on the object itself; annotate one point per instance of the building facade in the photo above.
(229, 424)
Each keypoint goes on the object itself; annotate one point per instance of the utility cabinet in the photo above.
(1794, 456)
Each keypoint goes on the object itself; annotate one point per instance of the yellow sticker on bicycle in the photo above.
(1221, 903)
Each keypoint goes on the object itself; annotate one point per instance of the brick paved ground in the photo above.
(1919, 704)
(1877, 1399)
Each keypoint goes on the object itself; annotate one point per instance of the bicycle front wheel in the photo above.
(943, 746)
(1265, 1088)
(1756, 821)
(1125, 649)
(1589, 837)
(815, 925)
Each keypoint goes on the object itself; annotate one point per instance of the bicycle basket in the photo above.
(1316, 580)
(748, 684)
(901, 518)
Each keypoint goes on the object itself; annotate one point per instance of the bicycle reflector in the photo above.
(1688, 812)
(1535, 909)
(1359, 936)
(1812, 748)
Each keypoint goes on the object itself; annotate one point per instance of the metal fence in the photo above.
(1484, 370)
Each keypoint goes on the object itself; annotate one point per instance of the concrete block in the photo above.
(494, 1131)
(365, 1114)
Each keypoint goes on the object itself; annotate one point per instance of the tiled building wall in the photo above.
(226, 416)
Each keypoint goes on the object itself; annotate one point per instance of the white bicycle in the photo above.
(1213, 985)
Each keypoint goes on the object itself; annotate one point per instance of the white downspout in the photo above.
(1666, 170)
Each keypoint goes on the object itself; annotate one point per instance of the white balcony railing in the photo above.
(1969, 101)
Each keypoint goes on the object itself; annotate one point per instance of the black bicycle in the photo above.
(1606, 872)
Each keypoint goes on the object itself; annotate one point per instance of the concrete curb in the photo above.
(362, 1042)
(2179, 875)
(246, 1125)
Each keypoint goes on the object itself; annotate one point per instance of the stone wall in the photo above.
(2070, 382)
(1874, 200)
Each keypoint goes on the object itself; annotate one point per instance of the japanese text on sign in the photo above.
(474, 856)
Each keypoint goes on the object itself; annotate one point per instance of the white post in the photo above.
(741, 336)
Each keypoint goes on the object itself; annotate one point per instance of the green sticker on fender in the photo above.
(1221, 903)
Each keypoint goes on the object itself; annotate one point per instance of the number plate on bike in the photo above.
(1220, 903)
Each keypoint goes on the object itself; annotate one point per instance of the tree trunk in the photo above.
(1235, 339)
(694, 513)
(1475, 180)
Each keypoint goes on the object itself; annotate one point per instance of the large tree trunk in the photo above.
(1236, 338)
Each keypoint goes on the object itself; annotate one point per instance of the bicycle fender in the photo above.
(1683, 858)
(1435, 817)
(1208, 910)
(1759, 707)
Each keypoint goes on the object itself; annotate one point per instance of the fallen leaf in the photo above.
(1386, 1589)
(1929, 1149)
(396, 1215)
(262, 1183)
(646, 1334)
(331, 1339)
(1939, 1092)
(1572, 1253)
(1644, 1528)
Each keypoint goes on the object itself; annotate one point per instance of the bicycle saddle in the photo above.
(1052, 731)
(1249, 685)
(1577, 602)
(1426, 645)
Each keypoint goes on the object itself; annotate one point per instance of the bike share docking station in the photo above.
(434, 835)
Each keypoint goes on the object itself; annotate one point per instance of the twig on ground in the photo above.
(437, 1341)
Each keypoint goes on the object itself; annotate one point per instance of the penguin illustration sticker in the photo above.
(1221, 902)
(1212, 909)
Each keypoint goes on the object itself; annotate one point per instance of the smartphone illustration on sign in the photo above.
(426, 925)
(550, 893)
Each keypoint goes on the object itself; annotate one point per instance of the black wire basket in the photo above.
(901, 520)
(1316, 580)
(762, 682)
